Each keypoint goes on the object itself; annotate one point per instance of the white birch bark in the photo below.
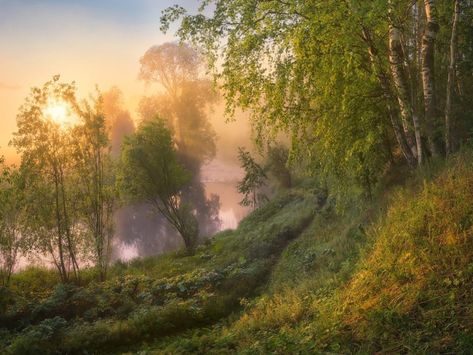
(451, 76)
(399, 78)
(386, 88)
(428, 74)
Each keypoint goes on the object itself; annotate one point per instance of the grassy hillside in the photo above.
(393, 275)
(149, 298)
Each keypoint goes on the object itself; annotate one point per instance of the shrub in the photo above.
(39, 339)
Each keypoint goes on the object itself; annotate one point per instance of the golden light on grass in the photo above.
(60, 113)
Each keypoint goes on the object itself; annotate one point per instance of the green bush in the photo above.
(149, 298)
(39, 339)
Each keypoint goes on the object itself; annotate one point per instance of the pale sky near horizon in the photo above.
(91, 42)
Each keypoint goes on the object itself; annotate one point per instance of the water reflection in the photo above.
(150, 235)
(141, 232)
(231, 213)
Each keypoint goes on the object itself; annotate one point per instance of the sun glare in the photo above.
(59, 112)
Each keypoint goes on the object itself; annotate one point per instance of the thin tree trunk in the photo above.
(100, 234)
(385, 87)
(428, 73)
(62, 267)
(400, 82)
(451, 76)
(410, 130)
(56, 263)
(12, 255)
(67, 228)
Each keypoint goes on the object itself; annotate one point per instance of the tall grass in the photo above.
(387, 280)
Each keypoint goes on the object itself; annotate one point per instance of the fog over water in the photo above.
(139, 231)
(153, 236)
(110, 45)
(221, 179)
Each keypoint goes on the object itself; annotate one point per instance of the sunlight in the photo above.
(60, 113)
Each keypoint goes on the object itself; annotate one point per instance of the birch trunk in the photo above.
(62, 265)
(451, 76)
(399, 78)
(386, 89)
(428, 74)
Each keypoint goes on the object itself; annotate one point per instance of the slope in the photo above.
(149, 298)
(381, 280)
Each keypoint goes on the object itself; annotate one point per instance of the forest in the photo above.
(356, 182)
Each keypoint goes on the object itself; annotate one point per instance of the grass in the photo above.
(152, 297)
(413, 290)
(396, 277)
(309, 271)
(393, 275)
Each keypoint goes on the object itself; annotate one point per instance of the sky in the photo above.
(93, 42)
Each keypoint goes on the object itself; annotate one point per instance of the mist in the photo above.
(139, 230)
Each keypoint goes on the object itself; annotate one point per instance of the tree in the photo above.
(277, 160)
(451, 75)
(183, 103)
(45, 149)
(93, 169)
(252, 182)
(11, 215)
(117, 118)
(429, 39)
(150, 172)
(400, 78)
(300, 68)
(352, 82)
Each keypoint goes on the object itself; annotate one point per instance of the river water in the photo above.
(218, 178)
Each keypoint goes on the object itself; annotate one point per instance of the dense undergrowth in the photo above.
(392, 275)
(152, 297)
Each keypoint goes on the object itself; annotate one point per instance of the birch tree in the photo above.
(451, 75)
(400, 78)
(297, 68)
(45, 150)
(95, 179)
(428, 71)
(384, 81)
